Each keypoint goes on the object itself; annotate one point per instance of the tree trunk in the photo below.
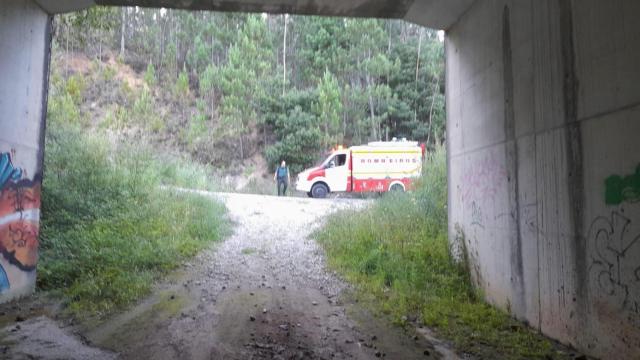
(418, 57)
(213, 104)
(160, 60)
(344, 125)
(284, 56)
(100, 42)
(326, 133)
(374, 132)
(415, 105)
(177, 43)
(122, 31)
(66, 26)
(433, 100)
(212, 48)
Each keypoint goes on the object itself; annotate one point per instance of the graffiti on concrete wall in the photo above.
(476, 215)
(615, 270)
(619, 189)
(19, 221)
(529, 218)
(483, 179)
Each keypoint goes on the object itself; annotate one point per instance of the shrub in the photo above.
(108, 229)
(63, 110)
(181, 87)
(116, 118)
(150, 75)
(186, 174)
(74, 87)
(157, 124)
(144, 108)
(64, 100)
(197, 124)
(108, 73)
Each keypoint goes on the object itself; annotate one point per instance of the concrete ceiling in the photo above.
(439, 14)
(361, 8)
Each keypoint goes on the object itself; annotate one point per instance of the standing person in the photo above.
(282, 177)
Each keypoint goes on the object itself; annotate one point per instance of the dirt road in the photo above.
(264, 293)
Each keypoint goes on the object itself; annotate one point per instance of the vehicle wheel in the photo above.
(396, 188)
(319, 191)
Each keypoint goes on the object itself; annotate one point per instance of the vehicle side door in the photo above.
(337, 172)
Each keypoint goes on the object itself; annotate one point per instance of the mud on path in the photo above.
(263, 293)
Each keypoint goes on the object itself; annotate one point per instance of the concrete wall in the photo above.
(24, 57)
(543, 108)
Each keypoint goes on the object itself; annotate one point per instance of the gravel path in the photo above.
(263, 293)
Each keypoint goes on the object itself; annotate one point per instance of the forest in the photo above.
(225, 87)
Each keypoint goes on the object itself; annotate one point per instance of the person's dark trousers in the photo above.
(282, 185)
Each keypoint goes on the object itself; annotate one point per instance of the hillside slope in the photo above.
(111, 96)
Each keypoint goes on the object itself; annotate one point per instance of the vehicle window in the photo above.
(340, 159)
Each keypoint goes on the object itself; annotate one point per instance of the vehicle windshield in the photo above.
(325, 160)
(339, 159)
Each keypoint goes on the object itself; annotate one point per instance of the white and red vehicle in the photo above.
(376, 167)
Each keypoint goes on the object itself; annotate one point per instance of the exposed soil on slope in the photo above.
(109, 91)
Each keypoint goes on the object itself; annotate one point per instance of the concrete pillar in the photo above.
(543, 102)
(24, 60)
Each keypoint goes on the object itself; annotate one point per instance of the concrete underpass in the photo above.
(543, 115)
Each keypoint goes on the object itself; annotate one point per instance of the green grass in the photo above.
(108, 229)
(188, 174)
(397, 254)
(249, 251)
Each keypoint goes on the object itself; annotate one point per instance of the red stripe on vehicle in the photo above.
(318, 172)
(380, 185)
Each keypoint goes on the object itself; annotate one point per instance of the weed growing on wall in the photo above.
(397, 253)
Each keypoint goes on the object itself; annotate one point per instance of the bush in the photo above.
(65, 98)
(197, 130)
(150, 75)
(108, 73)
(75, 86)
(186, 174)
(116, 117)
(158, 124)
(144, 108)
(62, 109)
(108, 229)
(300, 141)
(181, 87)
(397, 252)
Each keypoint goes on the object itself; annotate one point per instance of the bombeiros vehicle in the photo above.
(379, 166)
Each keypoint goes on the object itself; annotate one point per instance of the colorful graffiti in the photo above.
(614, 267)
(19, 220)
(619, 189)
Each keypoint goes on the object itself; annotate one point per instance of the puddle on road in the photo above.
(42, 338)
